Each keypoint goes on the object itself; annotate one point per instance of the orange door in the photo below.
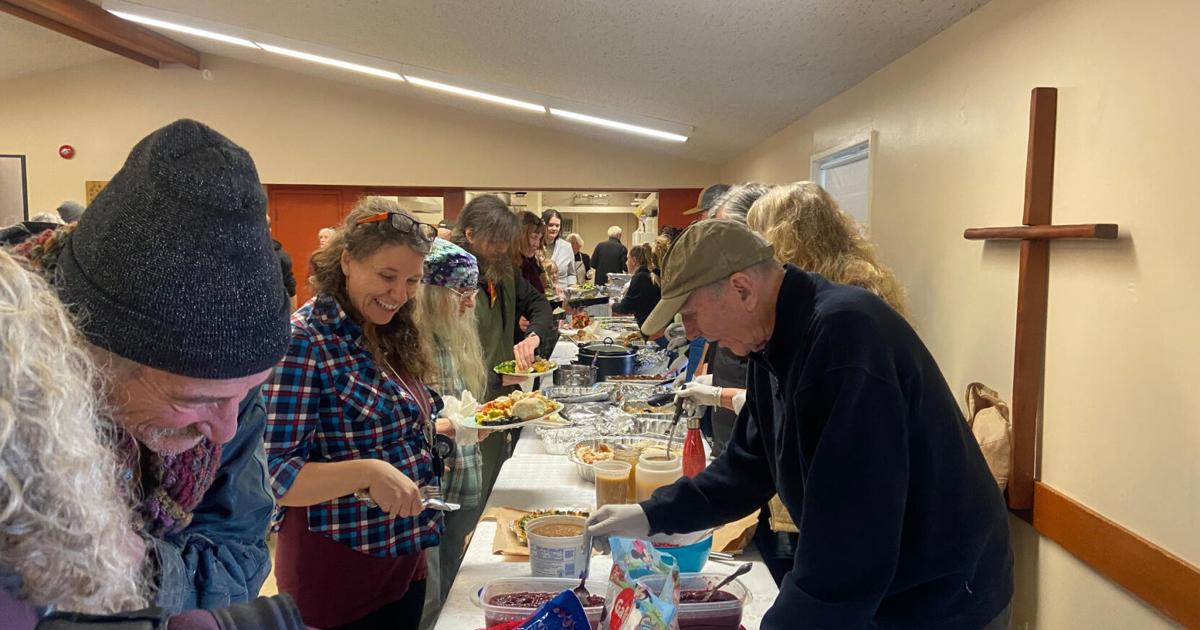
(296, 216)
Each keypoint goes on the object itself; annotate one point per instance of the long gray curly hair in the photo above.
(64, 526)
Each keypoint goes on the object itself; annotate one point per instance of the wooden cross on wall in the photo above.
(1035, 236)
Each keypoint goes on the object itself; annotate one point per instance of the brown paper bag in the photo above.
(505, 541)
(733, 537)
(781, 520)
(987, 415)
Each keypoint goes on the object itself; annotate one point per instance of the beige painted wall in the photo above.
(1122, 412)
(304, 130)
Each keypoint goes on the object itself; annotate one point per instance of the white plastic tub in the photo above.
(557, 556)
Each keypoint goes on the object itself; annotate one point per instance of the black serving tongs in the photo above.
(659, 400)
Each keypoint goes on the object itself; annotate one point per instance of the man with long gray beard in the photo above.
(177, 291)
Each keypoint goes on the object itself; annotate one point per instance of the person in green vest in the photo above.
(486, 228)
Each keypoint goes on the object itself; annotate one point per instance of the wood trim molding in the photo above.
(93, 25)
(1164, 580)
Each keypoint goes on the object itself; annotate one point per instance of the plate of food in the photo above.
(540, 367)
(518, 526)
(513, 411)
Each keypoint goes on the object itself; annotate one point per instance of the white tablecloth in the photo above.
(534, 479)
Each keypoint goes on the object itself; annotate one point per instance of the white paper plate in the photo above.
(528, 374)
(471, 423)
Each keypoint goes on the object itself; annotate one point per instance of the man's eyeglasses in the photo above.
(465, 294)
(404, 224)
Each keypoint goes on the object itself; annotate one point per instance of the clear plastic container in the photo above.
(499, 586)
(726, 615)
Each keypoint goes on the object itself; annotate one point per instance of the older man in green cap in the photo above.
(850, 421)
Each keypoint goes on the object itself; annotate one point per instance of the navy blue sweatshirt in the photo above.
(640, 298)
(849, 419)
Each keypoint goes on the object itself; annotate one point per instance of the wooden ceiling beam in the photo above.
(93, 25)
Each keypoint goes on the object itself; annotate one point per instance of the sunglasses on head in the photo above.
(404, 224)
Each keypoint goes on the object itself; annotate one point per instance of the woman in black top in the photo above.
(643, 294)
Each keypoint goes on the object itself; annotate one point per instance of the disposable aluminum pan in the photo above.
(586, 472)
(661, 424)
(569, 394)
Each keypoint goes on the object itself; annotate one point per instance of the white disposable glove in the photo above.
(617, 520)
(739, 401)
(676, 337)
(700, 392)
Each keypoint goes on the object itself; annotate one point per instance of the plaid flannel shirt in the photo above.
(463, 483)
(328, 401)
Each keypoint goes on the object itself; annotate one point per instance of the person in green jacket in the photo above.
(486, 228)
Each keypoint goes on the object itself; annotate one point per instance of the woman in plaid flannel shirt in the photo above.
(350, 430)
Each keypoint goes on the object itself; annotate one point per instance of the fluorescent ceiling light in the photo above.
(483, 96)
(170, 26)
(337, 63)
(620, 126)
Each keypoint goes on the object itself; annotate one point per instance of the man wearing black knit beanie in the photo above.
(174, 282)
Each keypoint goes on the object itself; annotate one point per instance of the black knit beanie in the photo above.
(172, 265)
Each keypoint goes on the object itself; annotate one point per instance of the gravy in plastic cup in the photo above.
(612, 483)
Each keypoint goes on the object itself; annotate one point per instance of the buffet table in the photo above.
(534, 479)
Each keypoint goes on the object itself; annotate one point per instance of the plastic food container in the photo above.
(499, 614)
(554, 555)
(689, 550)
(726, 615)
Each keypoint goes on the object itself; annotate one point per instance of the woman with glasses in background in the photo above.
(350, 430)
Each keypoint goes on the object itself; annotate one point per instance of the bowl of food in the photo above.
(689, 550)
(515, 598)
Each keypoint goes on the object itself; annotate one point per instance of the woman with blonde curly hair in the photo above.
(66, 539)
(809, 230)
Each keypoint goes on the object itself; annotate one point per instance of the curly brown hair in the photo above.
(396, 344)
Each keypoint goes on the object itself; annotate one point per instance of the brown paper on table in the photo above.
(733, 537)
(729, 538)
(505, 541)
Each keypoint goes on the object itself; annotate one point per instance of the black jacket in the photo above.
(285, 267)
(849, 418)
(608, 257)
(640, 298)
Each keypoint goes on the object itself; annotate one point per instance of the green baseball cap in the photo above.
(706, 252)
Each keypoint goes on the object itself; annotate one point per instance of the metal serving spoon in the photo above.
(738, 572)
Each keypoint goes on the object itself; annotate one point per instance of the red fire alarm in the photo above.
(66, 151)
